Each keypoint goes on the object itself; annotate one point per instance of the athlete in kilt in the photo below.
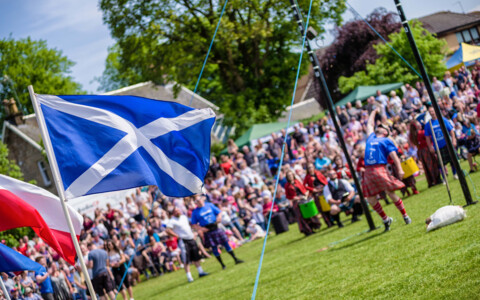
(179, 227)
(376, 177)
(205, 219)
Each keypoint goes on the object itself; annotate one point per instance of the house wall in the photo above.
(27, 157)
(302, 110)
(452, 42)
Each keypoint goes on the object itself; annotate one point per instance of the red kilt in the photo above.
(376, 179)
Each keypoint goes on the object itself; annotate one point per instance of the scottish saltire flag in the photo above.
(109, 143)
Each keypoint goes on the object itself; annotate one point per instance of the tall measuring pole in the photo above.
(321, 79)
(428, 85)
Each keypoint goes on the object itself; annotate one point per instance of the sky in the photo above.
(76, 28)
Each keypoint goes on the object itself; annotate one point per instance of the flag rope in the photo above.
(208, 53)
(254, 293)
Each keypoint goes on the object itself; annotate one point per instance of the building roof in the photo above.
(165, 92)
(446, 21)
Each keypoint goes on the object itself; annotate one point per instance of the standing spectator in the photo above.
(117, 260)
(102, 280)
(428, 159)
(442, 144)
(315, 182)
(43, 280)
(295, 192)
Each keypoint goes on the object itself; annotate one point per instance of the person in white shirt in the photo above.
(256, 232)
(179, 227)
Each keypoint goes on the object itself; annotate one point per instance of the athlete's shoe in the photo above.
(387, 223)
(407, 220)
(238, 261)
(202, 274)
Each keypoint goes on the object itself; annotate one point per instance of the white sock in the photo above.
(200, 270)
(189, 276)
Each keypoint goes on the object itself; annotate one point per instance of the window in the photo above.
(43, 171)
(474, 33)
(459, 37)
(466, 36)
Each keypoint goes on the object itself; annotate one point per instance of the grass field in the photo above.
(405, 263)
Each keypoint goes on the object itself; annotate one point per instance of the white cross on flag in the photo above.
(109, 143)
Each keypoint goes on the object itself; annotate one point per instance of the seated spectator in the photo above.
(255, 231)
(321, 161)
(340, 194)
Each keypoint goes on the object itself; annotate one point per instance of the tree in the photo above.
(391, 68)
(250, 71)
(10, 168)
(353, 48)
(24, 62)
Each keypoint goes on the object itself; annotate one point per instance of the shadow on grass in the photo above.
(374, 235)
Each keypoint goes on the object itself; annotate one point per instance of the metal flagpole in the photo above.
(426, 80)
(321, 79)
(59, 184)
(4, 289)
(439, 155)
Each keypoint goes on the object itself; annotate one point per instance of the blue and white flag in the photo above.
(109, 143)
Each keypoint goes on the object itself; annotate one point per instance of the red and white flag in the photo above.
(26, 205)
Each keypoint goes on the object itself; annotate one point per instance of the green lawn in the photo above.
(405, 263)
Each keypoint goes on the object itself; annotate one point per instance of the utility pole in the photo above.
(321, 79)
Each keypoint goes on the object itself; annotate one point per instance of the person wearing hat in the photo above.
(205, 218)
(29, 295)
(179, 227)
(376, 178)
(255, 231)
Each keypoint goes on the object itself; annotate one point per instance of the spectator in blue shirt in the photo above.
(43, 280)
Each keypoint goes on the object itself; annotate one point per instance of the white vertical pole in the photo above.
(59, 184)
(4, 289)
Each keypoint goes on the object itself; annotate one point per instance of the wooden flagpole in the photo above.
(59, 185)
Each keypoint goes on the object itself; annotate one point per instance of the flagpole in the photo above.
(59, 185)
(4, 289)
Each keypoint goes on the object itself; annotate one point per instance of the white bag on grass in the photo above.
(445, 216)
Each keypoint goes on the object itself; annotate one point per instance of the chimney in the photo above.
(12, 114)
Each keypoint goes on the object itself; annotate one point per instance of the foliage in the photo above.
(27, 62)
(349, 263)
(353, 48)
(12, 236)
(391, 68)
(10, 168)
(250, 70)
(217, 148)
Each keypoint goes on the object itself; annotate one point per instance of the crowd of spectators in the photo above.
(241, 184)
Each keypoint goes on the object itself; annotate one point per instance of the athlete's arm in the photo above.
(371, 122)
